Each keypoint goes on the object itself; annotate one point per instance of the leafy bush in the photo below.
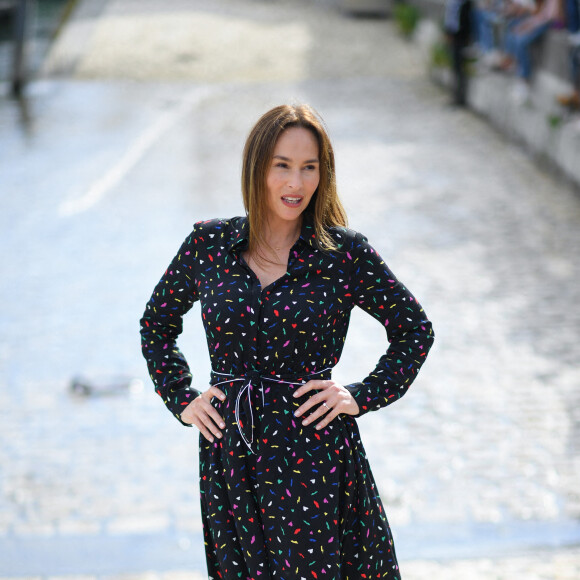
(406, 16)
(554, 120)
(440, 56)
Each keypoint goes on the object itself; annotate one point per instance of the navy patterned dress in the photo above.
(281, 500)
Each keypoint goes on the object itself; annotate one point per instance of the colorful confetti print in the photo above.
(281, 500)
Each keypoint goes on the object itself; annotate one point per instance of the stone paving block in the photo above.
(142, 576)
(544, 566)
(22, 578)
(31, 528)
(78, 527)
(139, 524)
(183, 576)
(72, 577)
(188, 524)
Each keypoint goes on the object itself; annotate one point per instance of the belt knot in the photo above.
(252, 381)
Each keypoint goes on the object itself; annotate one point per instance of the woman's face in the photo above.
(293, 175)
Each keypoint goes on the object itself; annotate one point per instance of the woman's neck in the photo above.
(282, 234)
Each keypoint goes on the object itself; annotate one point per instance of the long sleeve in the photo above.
(377, 291)
(162, 323)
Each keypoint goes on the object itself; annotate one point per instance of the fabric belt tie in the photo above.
(244, 399)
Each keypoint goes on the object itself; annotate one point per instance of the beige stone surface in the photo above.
(196, 46)
(228, 42)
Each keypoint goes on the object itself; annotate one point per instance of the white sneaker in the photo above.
(492, 58)
(521, 93)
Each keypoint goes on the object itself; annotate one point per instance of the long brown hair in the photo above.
(325, 207)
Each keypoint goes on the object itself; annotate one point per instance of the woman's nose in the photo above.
(295, 180)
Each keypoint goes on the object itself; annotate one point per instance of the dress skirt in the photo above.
(284, 501)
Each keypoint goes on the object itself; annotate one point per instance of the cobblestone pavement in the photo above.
(103, 173)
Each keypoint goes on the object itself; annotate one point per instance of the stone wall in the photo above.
(547, 130)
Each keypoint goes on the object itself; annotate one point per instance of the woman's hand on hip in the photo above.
(331, 400)
(201, 413)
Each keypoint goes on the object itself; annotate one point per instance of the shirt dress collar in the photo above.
(240, 237)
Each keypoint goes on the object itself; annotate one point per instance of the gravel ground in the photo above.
(103, 173)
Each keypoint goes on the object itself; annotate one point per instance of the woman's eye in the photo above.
(282, 164)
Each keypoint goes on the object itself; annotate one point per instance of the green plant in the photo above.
(554, 120)
(406, 16)
(440, 57)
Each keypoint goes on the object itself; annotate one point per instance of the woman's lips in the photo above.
(292, 200)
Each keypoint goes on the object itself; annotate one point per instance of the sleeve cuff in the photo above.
(178, 401)
(357, 391)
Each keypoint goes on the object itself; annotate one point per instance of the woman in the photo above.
(286, 490)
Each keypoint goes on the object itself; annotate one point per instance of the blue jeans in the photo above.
(484, 22)
(518, 45)
(572, 8)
